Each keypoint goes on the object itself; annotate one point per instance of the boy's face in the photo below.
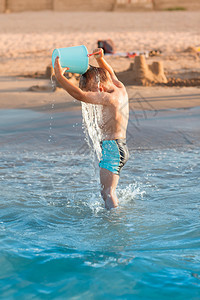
(95, 86)
(92, 86)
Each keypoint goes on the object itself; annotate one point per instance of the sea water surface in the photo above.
(57, 239)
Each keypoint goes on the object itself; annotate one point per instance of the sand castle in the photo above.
(138, 73)
(141, 73)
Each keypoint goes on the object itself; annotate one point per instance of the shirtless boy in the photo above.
(112, 95)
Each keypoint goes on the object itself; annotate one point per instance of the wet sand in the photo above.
(14, 93)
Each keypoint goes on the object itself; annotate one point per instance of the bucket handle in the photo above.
(94, 53)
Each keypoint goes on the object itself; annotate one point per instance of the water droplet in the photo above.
(53, 83)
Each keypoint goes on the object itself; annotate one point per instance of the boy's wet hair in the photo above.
(93, 73)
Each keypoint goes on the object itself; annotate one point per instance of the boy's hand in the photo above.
(100, 55)
(59, 71)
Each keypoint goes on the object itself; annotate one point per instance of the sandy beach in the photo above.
(27, 40)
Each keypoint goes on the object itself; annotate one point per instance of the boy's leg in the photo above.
(109, 183)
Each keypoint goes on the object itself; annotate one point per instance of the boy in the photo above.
(112, 95)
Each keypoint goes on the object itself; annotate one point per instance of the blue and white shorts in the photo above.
(114, 155)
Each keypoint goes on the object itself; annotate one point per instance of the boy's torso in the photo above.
(115, 117)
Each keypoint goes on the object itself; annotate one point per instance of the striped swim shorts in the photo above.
(114, 155)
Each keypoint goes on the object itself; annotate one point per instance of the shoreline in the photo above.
(140, 97)
(147, 130)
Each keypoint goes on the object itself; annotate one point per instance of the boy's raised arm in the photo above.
(77, 93)
(101, 61)
(104, 65)
(66, 84)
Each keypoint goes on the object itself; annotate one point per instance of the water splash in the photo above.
(129, 193)
(53, 85)
(92, 118)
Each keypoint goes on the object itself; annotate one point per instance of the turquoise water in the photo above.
(58, 241)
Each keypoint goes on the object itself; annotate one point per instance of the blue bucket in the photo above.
(74, 58)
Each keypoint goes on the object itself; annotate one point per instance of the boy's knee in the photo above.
(107, 192)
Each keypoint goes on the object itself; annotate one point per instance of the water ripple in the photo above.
(58, 241)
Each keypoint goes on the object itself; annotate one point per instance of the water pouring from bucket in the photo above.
(75, 58)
